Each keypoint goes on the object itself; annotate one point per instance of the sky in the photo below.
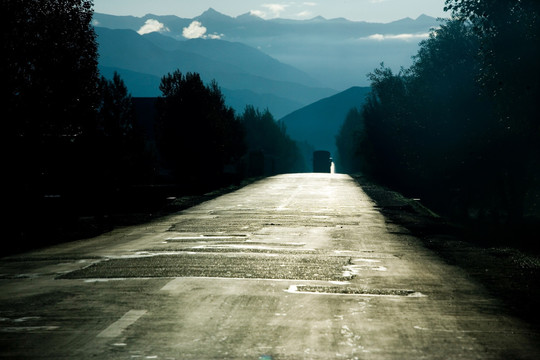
(356, 10)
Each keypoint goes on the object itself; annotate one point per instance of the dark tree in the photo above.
(267, 140)
(116, 117)
(49, 77)
(428, 129)
(459, 128)
(509, 33)
(388, 123)
(198, 135)
(49, 88)
(348, 142)
(49, 70)
(121, 155)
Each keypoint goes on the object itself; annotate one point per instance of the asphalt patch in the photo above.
(224, 249)
(293, 267)
(354, 291)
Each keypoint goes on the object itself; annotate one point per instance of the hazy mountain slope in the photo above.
(319, 123)
(278, 106)
(249, 59)
(145, 59)
(128, 50)
(138, 84)
(173, 23)
(238, 55)
(277, 62)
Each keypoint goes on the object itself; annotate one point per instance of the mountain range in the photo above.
(246, 75)
(278, 64)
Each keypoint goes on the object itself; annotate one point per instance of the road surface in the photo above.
(291, 267)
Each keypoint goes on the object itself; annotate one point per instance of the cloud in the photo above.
(196, 30)
(258, 13)
(293, 9)
(152, 25)
(272, 10)
(403, 37)
(275, 9)
(214, 36)
(304, 14)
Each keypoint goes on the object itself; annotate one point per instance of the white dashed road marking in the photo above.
(116, 328)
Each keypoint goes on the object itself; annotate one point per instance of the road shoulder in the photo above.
(509, 274)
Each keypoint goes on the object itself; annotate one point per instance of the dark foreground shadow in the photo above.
(55, 221)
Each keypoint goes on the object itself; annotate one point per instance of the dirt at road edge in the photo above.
(508, 273)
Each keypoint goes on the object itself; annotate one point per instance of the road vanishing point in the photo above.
(300, 266)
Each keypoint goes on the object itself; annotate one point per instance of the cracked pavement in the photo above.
(300, 266)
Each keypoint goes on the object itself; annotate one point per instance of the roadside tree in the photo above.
(197, 134)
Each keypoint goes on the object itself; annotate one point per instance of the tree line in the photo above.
(74, 144)
(203, 143)
(460, 127)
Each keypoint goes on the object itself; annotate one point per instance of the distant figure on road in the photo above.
(322, 162)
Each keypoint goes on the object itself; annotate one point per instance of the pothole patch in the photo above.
(293, 267)
(232, 249)
(340, 290)
(202, 238)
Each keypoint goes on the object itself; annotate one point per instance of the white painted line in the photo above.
(116, 328)
(18, 329)
(172, 285)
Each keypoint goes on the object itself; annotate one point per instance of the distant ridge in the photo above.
(319, 123)
(212, 14)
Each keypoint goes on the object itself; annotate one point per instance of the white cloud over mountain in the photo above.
(258, 13)
(403, 37)
(196, 30)
(276, 10)
(304, 14)
(152, 25)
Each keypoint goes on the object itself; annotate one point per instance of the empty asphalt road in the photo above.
(291, 267)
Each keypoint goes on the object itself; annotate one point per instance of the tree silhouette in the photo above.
(49, 68)
(49, 77)
(440, 131)
(268, 142)
(49, 87)
(348, 142)
(122, 158)
(509, 33)
(116, 116)
(197, 133)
